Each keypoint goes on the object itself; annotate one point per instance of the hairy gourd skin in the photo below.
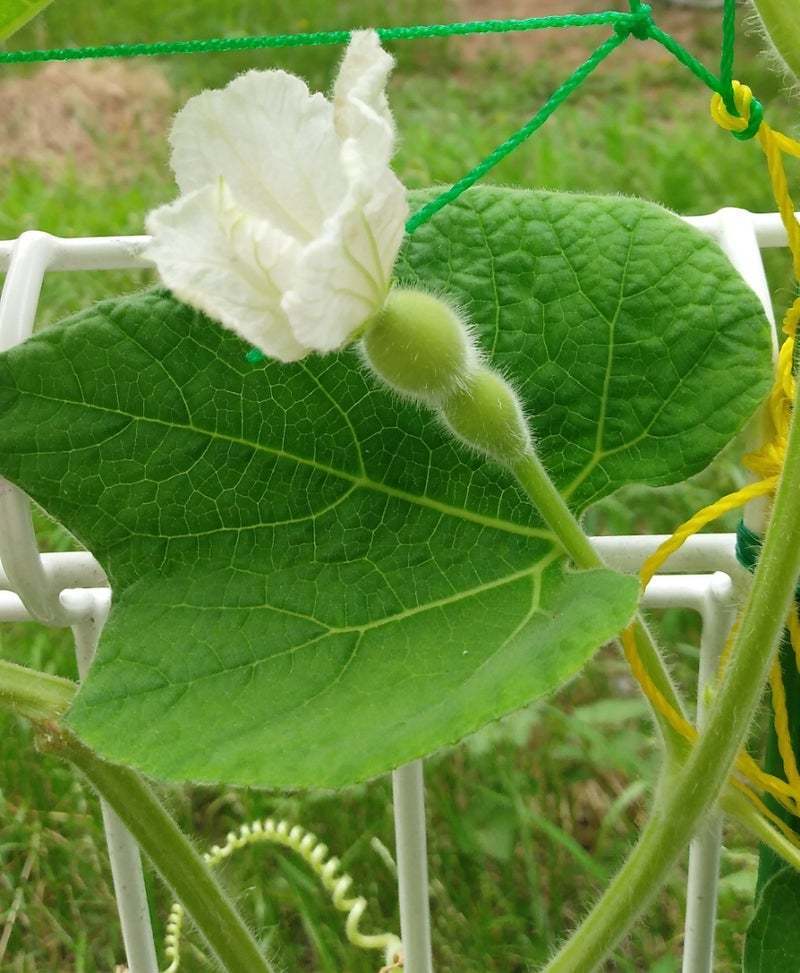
(420, 347)
(486, 415)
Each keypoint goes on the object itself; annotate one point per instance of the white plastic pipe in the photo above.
(38, 595)
(19, 551)
(718, 615)
(123, 852)
(66, 569)
(124, 252)
(700, 555)
(412, 867)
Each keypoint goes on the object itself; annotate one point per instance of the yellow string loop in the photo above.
(766, 463)
(743, 99)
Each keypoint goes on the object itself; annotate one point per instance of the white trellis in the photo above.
(70, 590)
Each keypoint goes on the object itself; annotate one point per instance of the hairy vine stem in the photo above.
(690, 791)
(34, 695)
(43, 698)
(781, 20)
(179, 864)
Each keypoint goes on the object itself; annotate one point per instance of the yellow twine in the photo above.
(791, 836)
(782, 725)
(699, 520)
(766, 463)
(794, 633)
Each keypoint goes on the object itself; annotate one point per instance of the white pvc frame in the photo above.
(70, 590)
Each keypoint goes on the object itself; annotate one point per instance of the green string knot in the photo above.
(639, 23)
(753, 123)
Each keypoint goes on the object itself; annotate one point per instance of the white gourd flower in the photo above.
(289, 218)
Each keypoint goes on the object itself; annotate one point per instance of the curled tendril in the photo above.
(315, 854)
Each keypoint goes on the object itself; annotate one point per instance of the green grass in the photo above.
(530, 816)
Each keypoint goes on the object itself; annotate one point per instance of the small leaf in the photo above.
(312, 582)
(772, 944)
(16, 13)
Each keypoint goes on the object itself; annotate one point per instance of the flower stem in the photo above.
(533, 478)
(536, 482)
(43, 698)
(690, 792)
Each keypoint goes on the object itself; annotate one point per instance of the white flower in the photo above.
(290, 217)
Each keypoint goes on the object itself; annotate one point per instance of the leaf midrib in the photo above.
(533, 572)
(358, 481)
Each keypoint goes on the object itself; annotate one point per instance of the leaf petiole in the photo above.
(536, 483)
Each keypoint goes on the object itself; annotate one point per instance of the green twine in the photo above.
(748, 549)
(726, 56)
(314, 39)
(748, 546)
(559, 96)
(754, 124)
(638, 22)
(725, 88)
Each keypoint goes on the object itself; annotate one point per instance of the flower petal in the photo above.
(343, 277)
(234, 268)
(272, 142)
(359, 97)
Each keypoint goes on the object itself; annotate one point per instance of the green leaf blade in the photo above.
(772, 944)
(336, 709)
(312, 582)
(16, 13)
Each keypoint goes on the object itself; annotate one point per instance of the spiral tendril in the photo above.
(316, 855)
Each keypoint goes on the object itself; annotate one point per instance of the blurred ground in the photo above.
(683, 23)
(528, 818)
(78, 113)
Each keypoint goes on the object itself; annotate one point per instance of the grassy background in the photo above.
(528, 818)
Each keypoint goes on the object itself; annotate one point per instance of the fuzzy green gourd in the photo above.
(486, 415)
(419, 346)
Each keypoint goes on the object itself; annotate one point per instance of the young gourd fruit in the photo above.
(486, 415)
(419, 346)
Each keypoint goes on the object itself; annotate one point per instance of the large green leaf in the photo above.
(772, 944)
(16, 13)
(312, 584)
